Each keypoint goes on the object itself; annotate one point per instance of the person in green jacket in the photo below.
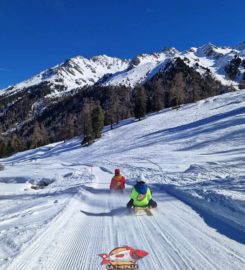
(141, 194)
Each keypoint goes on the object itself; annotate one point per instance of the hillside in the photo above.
(50, 106)
(193, 158)
(79, 71)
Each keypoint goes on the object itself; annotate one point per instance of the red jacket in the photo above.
(117, 182)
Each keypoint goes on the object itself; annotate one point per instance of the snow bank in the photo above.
(218, 189)
(220, 206)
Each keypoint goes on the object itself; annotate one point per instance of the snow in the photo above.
(142, 68)
(193, 159)
(73, 73)
(241, 48)
(213, 58)
(207, 56)
(8, 188)
(104, 70)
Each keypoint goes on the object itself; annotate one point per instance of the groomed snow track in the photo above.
(96, 221)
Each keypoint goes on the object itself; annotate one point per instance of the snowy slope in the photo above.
(241, 48)
(79, 71)
(73, 73)
(215, 59)
(195, 153)
(95, 221)
(206, 57)
(142, 68)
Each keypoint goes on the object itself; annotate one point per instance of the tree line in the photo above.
(87, 110)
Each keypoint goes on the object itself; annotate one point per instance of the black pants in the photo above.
(152, 203)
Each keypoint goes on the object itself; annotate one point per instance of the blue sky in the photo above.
(37, 34)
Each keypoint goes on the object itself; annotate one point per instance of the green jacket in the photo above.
(139, 199)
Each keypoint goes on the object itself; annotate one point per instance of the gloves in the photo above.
(130, 203)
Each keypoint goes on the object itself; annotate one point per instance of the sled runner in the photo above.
(141, 211)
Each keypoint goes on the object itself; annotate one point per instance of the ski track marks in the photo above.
(95, 222)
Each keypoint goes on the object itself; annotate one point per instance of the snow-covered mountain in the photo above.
(78, 72)
(55, 98)
(142, 68)
(209, 56)
(73, 73)
(241, 48)
(193, 159)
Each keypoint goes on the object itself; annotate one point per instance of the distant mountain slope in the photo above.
(80, 71)
(73, 73)
(209, 56)
(52, 102)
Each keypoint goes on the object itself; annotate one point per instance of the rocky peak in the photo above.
(241, 48)
(170, 51)
(206, 50)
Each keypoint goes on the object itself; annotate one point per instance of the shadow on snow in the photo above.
(120, 211)
(212, 221)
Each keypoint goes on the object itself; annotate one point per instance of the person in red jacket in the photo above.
(118, 181)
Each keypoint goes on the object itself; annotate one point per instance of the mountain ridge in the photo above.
(55, 104)
(79, 71)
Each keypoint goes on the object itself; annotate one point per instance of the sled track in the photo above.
(228, 251)
(95, 222)
(31, 254)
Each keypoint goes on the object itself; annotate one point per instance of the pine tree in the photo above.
(97, 121)
(69, 126)
(2, 146)
(139, 102)
(39, 136)
(16, 143)
(87, 123)
(112, 111)
(177, 93)
(8, 149)
(116, 106)
(149, 104)
(158, 98)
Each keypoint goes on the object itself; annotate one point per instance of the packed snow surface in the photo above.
(193, 159)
